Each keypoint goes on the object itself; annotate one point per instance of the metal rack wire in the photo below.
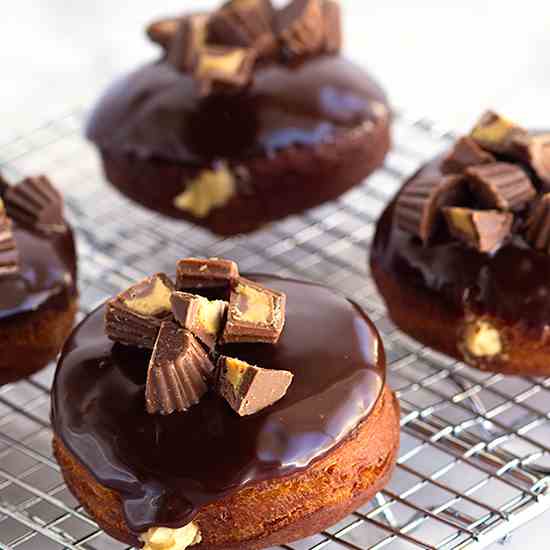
(473, 464)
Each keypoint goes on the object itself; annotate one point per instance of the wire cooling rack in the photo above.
(474, 463)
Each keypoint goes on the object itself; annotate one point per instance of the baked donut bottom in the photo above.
(429, 318)
(274, 511)
(31, 340)
(288, 182)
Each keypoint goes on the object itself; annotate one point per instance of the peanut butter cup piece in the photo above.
(301, 28)
(187, 42)
(9, 257)
(418, 207)
(255, 314)
(203, 317)
(535, 152)
(332, 26)
(249, 389)
(197, 273)
(225, 66)
(36, 203)
(135, 315)
(483, 230)
(163, 31)
(501, 185)
(496, 134)
(465, 152)
(245, 24)
(178, 371)
(538, 225)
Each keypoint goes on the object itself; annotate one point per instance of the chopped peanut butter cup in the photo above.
(535, 151)
(197, 273)
(135, 315)
(496, 134)
(35, 202)
(9, 257)
(483, 230)
(187, 42)
(418, 207)
(249, 389)
(332, 25)
(255, 314)
(178, 371)
(501, 185)
(246, 24)
(163, 31)
(300, 26)
(538, 225)
(203, 317)
(465, 152)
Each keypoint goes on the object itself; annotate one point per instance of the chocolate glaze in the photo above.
(166, 468)
(512, 283)
(47, 277)
(156, 111)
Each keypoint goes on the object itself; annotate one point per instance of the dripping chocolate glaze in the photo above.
(166, 468)
(512, 283)
(156, 111)
(48, 273)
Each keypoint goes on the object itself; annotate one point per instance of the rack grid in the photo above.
(473, 463)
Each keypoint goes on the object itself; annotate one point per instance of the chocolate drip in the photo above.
(167, 467)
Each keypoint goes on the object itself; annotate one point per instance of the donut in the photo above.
(461, 255)
(38, 292)
(273, 432)
(294, 125)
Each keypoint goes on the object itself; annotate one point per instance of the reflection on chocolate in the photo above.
(513, 283)
(47, 273)
(165, 468)
(157, 111)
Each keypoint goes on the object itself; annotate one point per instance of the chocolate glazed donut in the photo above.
(38, 300)
(299, 133)
(247, 482)
(488, 307)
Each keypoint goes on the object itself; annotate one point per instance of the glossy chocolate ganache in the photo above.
(511, 282)
(46, 257)
(167, 467)
(157, 112)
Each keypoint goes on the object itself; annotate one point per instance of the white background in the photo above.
(448, 60)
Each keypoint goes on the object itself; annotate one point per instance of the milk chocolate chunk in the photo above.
(203, 317)
(135, 315)
(538, 225)
(35, 202)
(484, 230)
(496, 134)
(418, 207)
(535, 151)
(249, 389)
(332, 26)
(245, 24)
(187, 42)
(255, 314)
(163, 31)
(226, 66)
(9, 257)
(178, 371)
(501, 185)
(465, 152)
(301, 28)
(197, 273)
